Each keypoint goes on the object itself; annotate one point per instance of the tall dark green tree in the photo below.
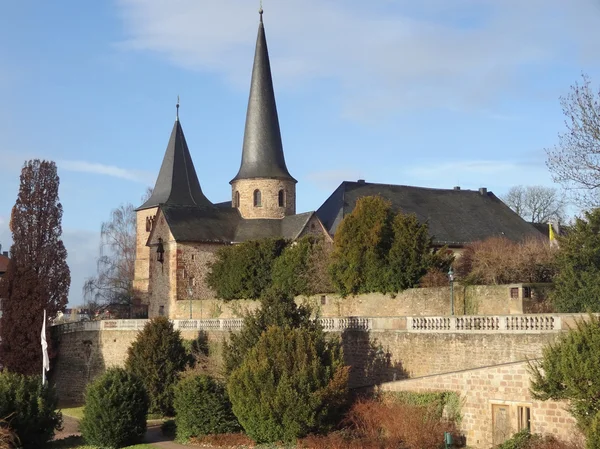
(569, 371)
(38, 277)
(577, 284)
(361, 245)
(157, 357)
(244, 271)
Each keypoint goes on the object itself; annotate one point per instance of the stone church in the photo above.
(179, 229)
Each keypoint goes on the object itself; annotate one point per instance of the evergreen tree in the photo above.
(244, 271)
(410, 255)
(361, 245)
(37, 277)
(277, 309)
(569, 371)
(157, 357)
(291, 383)
(577, 285)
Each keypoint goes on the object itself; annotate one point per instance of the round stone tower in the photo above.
(263, 187)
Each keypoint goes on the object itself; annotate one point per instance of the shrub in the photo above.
(202, 408)
(593, 433)
(526, 440)
(394, 424)
(577, 285)
(157, 357)
(277, 309)
(116, 405)
(29, 408)
(302, 268)
(7, 438)
(569, 371)
(244, 271)
(434, 278)
(291, 383)
(499, 260)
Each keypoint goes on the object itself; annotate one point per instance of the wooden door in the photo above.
(500, 424)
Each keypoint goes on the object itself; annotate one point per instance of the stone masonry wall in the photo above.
(377, 356)
(269, 189)
(475, 300)
(490, 395)
(142, 253)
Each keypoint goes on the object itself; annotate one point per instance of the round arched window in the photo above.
(282, 198)
(257, 198)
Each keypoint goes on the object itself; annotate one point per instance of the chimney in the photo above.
(456, 187)
(483, 191)
(361, 181)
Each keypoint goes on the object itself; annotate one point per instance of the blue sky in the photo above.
(434, 93)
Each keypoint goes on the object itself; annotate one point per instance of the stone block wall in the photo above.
(471, 300)
(492, 398)
(269, 189)
(142, 252)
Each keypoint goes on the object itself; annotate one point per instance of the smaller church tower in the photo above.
(263, 187)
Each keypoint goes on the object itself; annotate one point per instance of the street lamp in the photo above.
(451, 279)
(190, 291)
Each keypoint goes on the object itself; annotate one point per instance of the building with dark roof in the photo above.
(179, 229)
(455, 217)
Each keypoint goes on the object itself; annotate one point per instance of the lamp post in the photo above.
(451, 279)
(190, 291)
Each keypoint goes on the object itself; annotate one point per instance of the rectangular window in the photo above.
(323, 300)
(526, 292)
(161, 311)
(514, 293)
(524, 415)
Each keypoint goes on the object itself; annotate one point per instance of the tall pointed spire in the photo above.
(177, 183)
(262, 153)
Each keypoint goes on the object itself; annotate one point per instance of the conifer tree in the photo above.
(577, 285)
(37, 277)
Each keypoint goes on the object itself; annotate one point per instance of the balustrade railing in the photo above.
(459, 324)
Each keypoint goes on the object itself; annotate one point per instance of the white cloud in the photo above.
(107, 170)
(384, 55)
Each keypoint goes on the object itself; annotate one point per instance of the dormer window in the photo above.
(282, 198)
(257, 198)
(236, 199)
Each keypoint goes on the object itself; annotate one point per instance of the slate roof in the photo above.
(262, 153)
(221, 225)
(455, 217)
(177, 183)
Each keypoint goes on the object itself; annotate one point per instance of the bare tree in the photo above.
(575, 161)
(536, 204)
(116, 264)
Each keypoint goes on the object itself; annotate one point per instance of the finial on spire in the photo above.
(177, 107)
(260, 11)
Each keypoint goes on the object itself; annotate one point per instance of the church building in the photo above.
(179, 229)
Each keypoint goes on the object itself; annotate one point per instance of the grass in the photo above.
(73, 412)
(79, 443)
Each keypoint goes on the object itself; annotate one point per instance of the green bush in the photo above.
(116, 405)
(291, 383)
(157, 357)
(202, 408)
(29, 408)
(277, 309)
(520, 440)
(593, 433)
(244, 271)
(569, 371)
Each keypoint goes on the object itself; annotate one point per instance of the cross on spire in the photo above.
(260, 11)
(177, 108)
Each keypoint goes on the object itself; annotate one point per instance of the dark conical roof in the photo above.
(262, 154)
(177, 183)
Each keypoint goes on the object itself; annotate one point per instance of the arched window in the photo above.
(236, 199)
(282, 198)
(257, 198)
